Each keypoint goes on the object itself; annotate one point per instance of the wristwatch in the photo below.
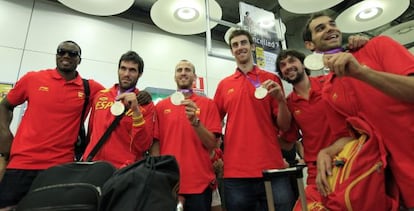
(5, 155)
(196, 122)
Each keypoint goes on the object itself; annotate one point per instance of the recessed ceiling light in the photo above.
(186, 13)
(369, 13)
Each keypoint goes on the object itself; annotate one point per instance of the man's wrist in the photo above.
(195, 122)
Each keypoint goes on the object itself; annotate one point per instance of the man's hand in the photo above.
(324, 166)
(144, 98)
(344, 64)
(191, 109)
(274, 90)
(355, 42)
(130, 100)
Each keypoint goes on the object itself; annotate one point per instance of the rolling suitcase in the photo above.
(296, 171)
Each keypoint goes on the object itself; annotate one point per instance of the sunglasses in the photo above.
(62, 52)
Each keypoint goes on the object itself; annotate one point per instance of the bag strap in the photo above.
(87, 91)
(104, 137)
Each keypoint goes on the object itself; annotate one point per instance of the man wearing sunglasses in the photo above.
(48, 129)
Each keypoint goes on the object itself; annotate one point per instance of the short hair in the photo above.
(293, 53)
(72, 42)
(192, 65)
(134, 57)
(307, 34)
(239, 32)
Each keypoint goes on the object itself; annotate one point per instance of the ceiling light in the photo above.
(98, 7)
(361, 16)
(186, 14)
(402, 33)
(369, 13)
(184, 17)
(306, 6)
(405, 30)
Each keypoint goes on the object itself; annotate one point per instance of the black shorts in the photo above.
(14, 186)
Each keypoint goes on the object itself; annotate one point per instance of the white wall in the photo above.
(32, 29)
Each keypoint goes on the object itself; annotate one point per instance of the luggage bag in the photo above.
(71, 186)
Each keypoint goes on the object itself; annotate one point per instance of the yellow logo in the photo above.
(230, 91)
(81, 94)
(334, 96)
(44, 88)
(297, 112)
(100, 105)
(167, 111)
(103, 98)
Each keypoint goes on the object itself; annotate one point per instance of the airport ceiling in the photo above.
(140, 11)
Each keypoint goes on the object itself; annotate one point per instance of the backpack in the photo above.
(149, 184)
(71, 186)
(358, 180)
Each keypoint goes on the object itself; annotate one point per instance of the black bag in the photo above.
(72, 186)
(149, 184)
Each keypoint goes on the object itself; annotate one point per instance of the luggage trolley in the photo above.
(297, 171)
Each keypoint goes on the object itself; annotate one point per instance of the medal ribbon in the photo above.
(256, 83)
(126, 91)
(332, 51)
(185, 91)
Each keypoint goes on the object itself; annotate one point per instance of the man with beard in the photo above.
(255, 105)
(133, 136)
(188, 127)
(309, 114)
(375, 85)
(48, 129)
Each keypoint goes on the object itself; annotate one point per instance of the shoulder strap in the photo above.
(104, 137)
(87, 92)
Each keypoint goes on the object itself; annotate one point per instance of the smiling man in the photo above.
(254, 103)
(188, 126)
(374, 84)
(49, 127)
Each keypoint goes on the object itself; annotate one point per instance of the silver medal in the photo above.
(260, 92)
(117, 108)
(176, 98)
(314, 61)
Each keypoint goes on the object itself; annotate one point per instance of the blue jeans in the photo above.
(198, 202)
(14, 186)
(248, 194)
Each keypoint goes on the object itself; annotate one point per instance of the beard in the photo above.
(126, 86)
(299, 77)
